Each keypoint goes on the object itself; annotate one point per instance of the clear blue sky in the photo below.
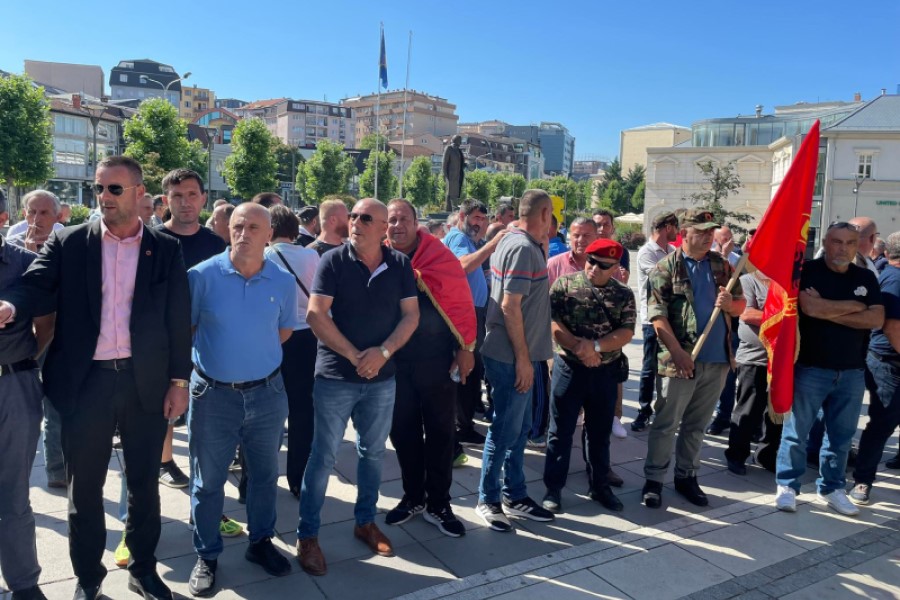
(597, 67)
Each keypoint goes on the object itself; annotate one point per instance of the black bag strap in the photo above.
(288, 267)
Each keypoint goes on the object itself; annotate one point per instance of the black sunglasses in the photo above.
(596, 263)
(365, 218)
(114, 188)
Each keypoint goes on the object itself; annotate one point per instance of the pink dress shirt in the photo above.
(119, 270)
(562, 264)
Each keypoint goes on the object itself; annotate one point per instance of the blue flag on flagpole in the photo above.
(382, 64)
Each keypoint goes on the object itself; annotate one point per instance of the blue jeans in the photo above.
(371, 405)
(219, 419)
(839, 394)
(504, 448)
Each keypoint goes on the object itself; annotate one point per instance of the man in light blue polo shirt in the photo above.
(243, 307)
(464, 241)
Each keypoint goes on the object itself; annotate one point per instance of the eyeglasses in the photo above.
(842, 225)
(601, 265)
(114, 188)
(365, 218)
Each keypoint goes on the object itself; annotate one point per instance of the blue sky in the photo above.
(597, 67)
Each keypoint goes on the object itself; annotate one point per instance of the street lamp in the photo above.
(165, 87)
(96, 114)
(860, 178)
(211, 133)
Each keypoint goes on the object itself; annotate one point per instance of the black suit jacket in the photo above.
(66, 278)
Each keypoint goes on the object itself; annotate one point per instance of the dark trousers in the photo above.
(468, 395)
(107, 399)
(650, 379)
(727, 397)
(575, 387)
(883, 381)
(297, 369)
(540, 401)
(750, 406)
(422, 430)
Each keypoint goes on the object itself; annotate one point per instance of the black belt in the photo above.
(239, 385)
(23, 365)
(888, 360)
(114, 364)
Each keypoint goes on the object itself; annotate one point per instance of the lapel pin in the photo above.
(148, 253)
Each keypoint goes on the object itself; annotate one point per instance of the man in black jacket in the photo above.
(120, 356)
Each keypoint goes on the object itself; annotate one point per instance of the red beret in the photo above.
(604, 248)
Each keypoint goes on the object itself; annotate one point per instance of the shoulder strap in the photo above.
(288, 267)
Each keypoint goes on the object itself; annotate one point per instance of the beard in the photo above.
(471, 231)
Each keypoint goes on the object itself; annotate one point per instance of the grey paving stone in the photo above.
(721, 591)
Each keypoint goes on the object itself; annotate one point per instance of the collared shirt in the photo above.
(238, 319)
(461, 245)
(562, 264)
(648, 257)
(17, 340)
(22, 227)
(119, 259)
(705, 291)
(365, 306)
(304, 262)
(889, 282)
(591, 312)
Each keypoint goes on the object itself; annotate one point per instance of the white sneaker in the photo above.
(618, 430)
(839, 502)
(786, 499)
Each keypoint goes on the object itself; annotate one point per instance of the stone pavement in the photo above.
(739, 546)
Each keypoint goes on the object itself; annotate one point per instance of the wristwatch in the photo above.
(597, 346)
(179, 383)
(385, 352)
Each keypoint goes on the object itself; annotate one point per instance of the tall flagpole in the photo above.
(405, 90)
(382, 59)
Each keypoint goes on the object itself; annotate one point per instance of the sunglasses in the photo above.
(367, 219)
(842, 225)
(600, 265)
(114, 188)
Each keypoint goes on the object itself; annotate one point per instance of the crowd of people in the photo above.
(118, 328)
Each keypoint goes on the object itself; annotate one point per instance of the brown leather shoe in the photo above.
(374, 539)
(310, 556)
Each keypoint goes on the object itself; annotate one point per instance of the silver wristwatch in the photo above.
(385, 352)
(597, 346)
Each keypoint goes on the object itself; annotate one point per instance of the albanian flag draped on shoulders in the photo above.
(777, 249)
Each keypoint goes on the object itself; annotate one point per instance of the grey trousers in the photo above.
(685, 406)
(20, 428)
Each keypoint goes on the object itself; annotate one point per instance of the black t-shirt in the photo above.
(196, 247)
(826, 344)
(365, 306)
(322, 247)
(432, 339)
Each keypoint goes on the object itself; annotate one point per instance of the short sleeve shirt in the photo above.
(826, 344)
(889, 281)
(198, 246)
(518, 266)
(648, 256)
(751, 350)
(365, 306)
(590, 311)
(461, 245)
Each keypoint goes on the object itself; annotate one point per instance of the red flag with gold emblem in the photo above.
(777, 249)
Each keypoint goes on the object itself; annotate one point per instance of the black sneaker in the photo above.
(203, 577)
(492, 514)
(860, 493)
(552, 502)
(893, 463)
(690, 489)
(640, 423)
(718, 426)
(528, 508)
(444, 519)
(170, 475)
(470, 438)
(607, 498)
(651, 495)
(738, 468)
(265, 555)
(403, 512)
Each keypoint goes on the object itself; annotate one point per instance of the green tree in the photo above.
(634, 178)
(328, 171)
(478, 185)
(251, 166)
(387, 181)
(519, 185)
(616, 197)
(372, 141)
(418, 182)
(720, 182)
(26, 138)
(501, 185)
(539, 184)
(157, 128)
(612, 172)
(637, 198)
(289, 160)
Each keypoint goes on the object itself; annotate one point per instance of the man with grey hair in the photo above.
(65, 213)
(883, 362)
(878, 255)
(41, 219)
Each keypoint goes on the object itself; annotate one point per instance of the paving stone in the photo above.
(757, 549)
(721, 591)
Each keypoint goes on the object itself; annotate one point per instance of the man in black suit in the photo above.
(120, 356)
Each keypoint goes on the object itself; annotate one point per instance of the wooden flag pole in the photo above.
(716, 311)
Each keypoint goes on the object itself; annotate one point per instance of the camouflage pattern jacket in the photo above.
(576, 304)
(670, 296)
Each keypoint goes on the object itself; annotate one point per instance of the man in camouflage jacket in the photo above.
(593, 317)
(685, 288)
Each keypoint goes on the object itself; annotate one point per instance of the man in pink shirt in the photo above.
(120, 357)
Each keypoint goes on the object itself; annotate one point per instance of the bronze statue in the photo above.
(454, 169)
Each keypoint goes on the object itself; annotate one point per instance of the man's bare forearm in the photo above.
(752, 316)
(402, 332)
(515, 329)
(820, 308)
(327, 332)
(871, 318)
(616, 339)
(473, 261)
(665, 334)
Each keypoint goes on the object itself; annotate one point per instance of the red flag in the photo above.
(777, 249)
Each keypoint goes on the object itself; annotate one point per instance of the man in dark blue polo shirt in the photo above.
(238, 397)
(363, 307)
